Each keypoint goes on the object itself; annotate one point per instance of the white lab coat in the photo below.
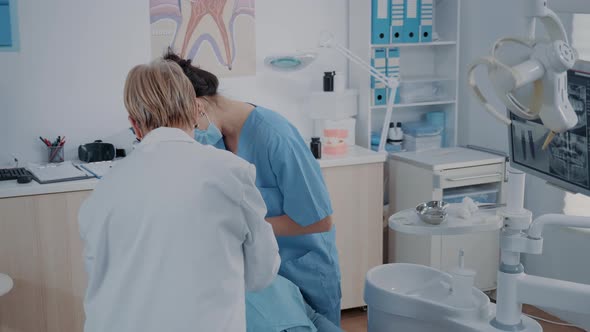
(173, 236)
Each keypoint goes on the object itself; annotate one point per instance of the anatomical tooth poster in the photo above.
(217, 35)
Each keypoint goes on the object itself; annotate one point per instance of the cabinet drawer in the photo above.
(469, 176)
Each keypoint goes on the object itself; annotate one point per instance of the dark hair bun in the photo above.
(204, 82)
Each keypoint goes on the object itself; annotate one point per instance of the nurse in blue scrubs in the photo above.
(289, 179)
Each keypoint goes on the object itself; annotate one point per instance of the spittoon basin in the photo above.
(411, 290)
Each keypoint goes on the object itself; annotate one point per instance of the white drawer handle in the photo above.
(485, 176)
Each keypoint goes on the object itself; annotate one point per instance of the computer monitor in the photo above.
(565, 162)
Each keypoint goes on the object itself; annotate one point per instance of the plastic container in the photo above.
(375, 137)
(55, 154)
(332, 105)
(421, 128)
(421, 136)
(483, 194)
(422, 143)
(421, 91)
(393, 147)
(438, 118)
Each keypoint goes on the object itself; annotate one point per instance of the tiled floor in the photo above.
(355, 320)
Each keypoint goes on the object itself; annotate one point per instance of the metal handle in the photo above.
(474, 177)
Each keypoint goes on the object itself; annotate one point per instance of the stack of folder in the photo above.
(401, 21)
(386, 60)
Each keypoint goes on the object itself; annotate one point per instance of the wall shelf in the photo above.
(427, 103)
(434, 43)
(425, 78)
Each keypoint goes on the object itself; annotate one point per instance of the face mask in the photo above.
(211, 136)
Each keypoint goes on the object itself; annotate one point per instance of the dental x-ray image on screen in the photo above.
(565, 161)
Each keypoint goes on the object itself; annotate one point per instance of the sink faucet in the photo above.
(522, 235)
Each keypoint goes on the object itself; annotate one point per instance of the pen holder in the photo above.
(55, 154)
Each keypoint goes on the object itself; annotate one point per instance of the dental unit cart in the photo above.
(447, 174)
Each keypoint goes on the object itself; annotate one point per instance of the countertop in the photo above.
(14, 189)
(448, 158)
(356, 156)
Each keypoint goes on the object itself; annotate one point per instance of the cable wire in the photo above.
(554, 322)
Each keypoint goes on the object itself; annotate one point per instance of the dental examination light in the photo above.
(290, 62)
(300, 60)
(327, 41)
(546, 69)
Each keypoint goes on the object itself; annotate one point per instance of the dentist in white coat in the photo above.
(175, 234)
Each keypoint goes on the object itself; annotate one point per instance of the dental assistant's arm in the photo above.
(285, 226)
(306, 202)
(261, 252)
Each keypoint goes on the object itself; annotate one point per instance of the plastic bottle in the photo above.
(395, 137)
(329, 81)
(316, 147)
(399, 132)
(391, 132)
(463, 280)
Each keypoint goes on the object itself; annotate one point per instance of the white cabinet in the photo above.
(357, 200)
(440, 175)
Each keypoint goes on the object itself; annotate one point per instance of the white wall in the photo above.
(68, 77)
(482, 23)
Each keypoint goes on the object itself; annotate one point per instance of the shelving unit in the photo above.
(426, 78)
(426, 103)
(435, 43)
(419, 62)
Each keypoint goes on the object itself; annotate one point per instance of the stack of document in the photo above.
(61, 172)
(98, 169)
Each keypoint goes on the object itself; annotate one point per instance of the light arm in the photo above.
(392, 83)
(327, 40)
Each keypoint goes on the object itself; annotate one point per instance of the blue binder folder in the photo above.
(411, 21)
(379, 92)
(397, 20)
(426, 19)
(380, 21)
(5, 27)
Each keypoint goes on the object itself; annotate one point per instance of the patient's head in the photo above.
(159, 95)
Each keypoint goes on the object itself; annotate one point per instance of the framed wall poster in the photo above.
(217, 35)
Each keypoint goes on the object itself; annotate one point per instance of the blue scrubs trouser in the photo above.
(332, 315)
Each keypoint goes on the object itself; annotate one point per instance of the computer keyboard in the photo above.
(12, 173)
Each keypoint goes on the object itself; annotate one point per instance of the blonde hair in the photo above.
(160, 95)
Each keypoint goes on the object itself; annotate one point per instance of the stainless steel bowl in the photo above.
(433, 212)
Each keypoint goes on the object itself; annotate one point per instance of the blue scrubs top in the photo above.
(291, 182)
